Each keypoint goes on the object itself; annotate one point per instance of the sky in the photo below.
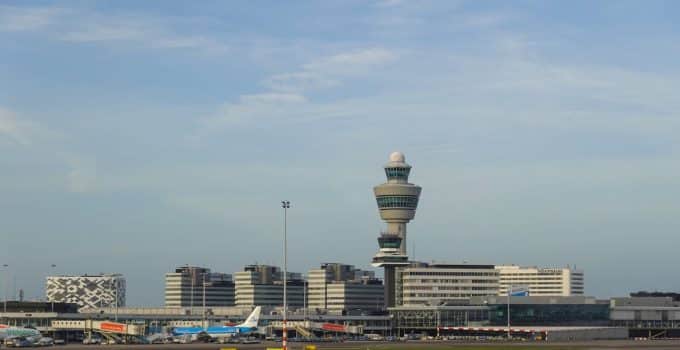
(140, 136)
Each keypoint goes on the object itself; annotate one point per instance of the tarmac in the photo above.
(435, 345)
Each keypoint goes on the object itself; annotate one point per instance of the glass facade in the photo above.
(389, 242)
(432, 318)
(397, 173)
(410, 202)
(550, 314)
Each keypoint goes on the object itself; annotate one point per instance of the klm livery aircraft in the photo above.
(224, 331)
(10, 332)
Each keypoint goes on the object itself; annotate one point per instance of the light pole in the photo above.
(284, 339)
(52, 298)
(509, 294)
(191, 304)
(115, 280)
(304, 300)
(4, 285)
(203, 321)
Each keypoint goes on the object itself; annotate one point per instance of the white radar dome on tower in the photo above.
(397, 157)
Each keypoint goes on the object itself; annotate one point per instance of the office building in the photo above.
(187, 286)
(541, 281)
(397, 201)
(339, 288)
(106, 290)
(262, 285)
(441, 284)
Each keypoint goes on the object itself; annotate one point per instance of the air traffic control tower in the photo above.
(397, 202)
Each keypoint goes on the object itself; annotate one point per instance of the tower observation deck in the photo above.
(397, 201)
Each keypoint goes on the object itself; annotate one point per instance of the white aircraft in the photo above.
(11, 332)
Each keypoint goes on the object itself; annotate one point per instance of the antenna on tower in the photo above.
(414, 250)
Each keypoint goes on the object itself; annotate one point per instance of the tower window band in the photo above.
(410, 202)
(397, 173)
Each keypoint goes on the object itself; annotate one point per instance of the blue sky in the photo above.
(138, 136)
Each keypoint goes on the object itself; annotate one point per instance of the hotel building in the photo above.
(541, 281)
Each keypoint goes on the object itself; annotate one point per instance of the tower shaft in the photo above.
(399, 228)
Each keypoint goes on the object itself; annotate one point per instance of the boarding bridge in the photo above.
(307, 327)
(106, 328)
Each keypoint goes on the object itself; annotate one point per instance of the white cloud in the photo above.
(349, 61)
(86, 26)
(269, 98)
(151, 32)
(329, 71)
(265, 107)
(15, 19)
(15, 130)
(389, 3)
(300, 81)
(82, 176)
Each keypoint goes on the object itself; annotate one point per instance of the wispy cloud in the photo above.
(395, 17)
(289, 88)
(148, 32)
(16, 19)
(82, 176)
(268, 98)
(300, 81)
(330, 71)
(77, 25)
(257, 108)
(16, 130)
(353, 60)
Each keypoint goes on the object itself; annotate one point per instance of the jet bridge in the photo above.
(106, 328)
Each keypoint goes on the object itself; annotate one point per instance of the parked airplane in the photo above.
(10, 332)
(224, 331)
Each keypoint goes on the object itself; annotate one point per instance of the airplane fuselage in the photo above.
(215, 331)
(8, 332)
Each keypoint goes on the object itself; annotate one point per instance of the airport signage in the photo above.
(112, 327)
(518, 291)
(333, 327)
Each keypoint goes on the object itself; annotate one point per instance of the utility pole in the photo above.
(284, 339)
(304, 300)
(4, 285)
(509, 294)
(191, 304)
(52, 299)
(116, 299)
(203, 322)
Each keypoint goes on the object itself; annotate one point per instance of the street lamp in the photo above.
(52, 298)
(115, 280)
(203, 323)
(284, 339)
(304, 300)
(4, 284)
